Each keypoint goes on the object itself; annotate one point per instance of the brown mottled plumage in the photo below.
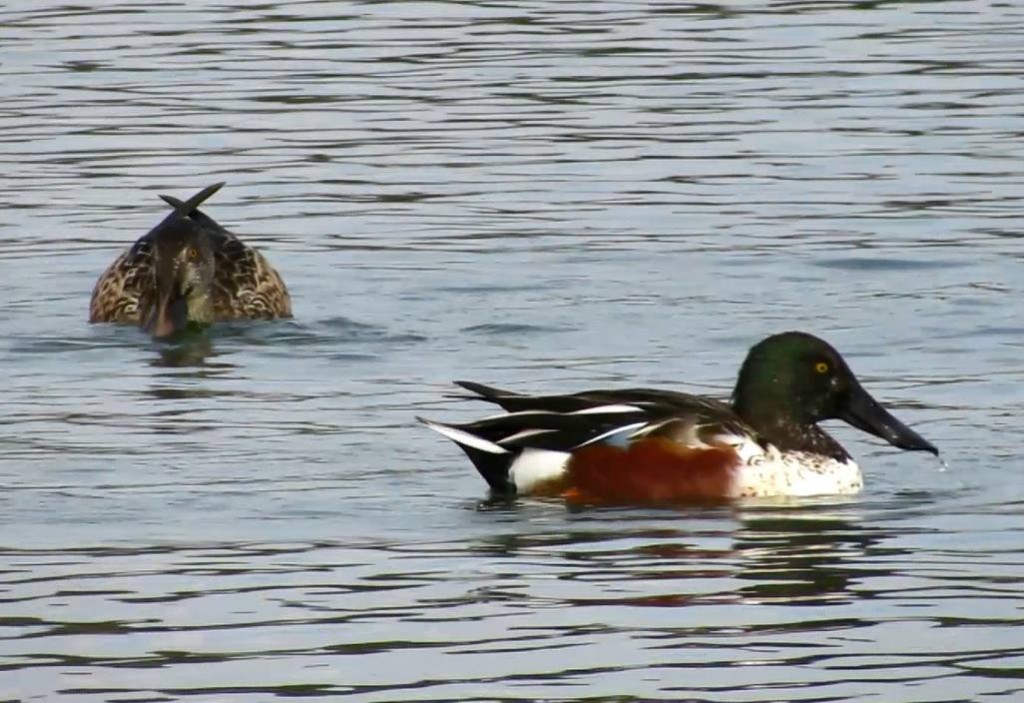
(244, 285)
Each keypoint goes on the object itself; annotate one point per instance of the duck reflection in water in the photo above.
(786, 555)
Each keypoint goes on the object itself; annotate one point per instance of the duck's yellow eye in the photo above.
(192, 254)
(821, 367)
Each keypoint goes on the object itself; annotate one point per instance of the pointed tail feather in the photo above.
(186, 208)
(183, 210)
(486, 392)
(512, 402)
(519, 402)
(491, 460)
(180, 207)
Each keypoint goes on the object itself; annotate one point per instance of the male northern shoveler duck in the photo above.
(188, 269)
(644, 446)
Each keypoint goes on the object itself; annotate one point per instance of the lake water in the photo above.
(546, 196)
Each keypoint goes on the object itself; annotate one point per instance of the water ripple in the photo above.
(539, 195)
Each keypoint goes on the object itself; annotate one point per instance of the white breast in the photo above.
(775, 473)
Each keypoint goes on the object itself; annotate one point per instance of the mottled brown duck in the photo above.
(188, 270)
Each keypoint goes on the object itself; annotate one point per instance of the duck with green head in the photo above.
(188, 271)
(644, 445)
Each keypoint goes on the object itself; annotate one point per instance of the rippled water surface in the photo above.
(543, 195)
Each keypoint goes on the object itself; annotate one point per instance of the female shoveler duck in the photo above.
(642, 445)
(188, 269)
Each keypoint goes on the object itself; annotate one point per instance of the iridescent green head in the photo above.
(791, 381)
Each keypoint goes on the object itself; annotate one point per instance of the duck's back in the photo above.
(117, 293)
(246, 286)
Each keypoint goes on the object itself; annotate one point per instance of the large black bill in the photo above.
(170, 315)
(867, 414)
